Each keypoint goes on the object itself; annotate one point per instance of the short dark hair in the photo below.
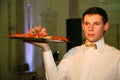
(96, 10)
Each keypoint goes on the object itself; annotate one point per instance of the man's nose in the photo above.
(91, 28)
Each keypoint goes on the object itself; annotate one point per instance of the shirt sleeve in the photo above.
(50, 66)
(118, 70)
(54, 72)
(59, 72)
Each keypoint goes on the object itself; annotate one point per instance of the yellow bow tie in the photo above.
(94, 46)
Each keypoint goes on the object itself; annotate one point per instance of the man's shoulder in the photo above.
(112, 49)
(74, 51)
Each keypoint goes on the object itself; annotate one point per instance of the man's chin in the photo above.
(91, 40)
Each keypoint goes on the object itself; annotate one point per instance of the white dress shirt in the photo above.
(85, 63)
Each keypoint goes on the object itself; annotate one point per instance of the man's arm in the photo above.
(118, 71)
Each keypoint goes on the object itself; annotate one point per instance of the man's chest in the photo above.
(92, 67)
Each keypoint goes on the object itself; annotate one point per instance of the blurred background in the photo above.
(23, 61)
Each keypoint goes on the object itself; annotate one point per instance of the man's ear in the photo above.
(106, 26)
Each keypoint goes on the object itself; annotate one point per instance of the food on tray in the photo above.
(38, 32)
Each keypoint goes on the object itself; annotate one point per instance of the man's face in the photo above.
(94, 27)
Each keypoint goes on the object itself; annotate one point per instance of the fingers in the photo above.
(43, 45)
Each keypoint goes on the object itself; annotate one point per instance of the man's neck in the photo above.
(99, 43)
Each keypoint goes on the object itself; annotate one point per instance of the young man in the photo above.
(87, 61)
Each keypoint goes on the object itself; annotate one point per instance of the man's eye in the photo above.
(86, 23)
(96, 23)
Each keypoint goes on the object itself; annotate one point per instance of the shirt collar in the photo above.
(100, 43)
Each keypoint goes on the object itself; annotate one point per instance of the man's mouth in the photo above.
(91, 35)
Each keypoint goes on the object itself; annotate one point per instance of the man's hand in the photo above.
(44, 46)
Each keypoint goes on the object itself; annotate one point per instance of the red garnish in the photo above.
(59, 38)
